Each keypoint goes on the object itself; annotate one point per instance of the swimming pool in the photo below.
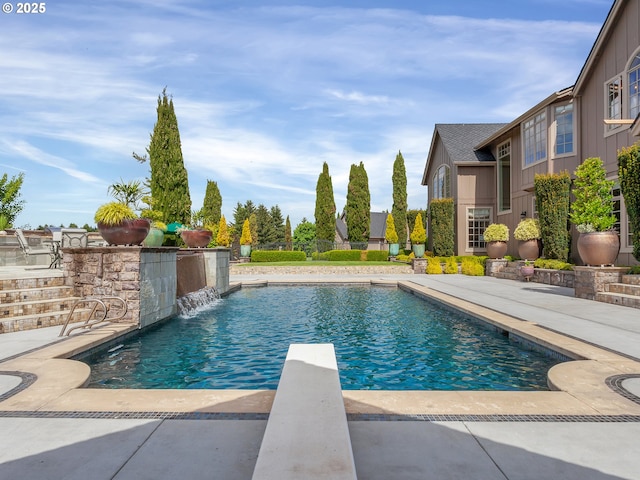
(385, 339)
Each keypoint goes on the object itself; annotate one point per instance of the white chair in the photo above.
(28, 250)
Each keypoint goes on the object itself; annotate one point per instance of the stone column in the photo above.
(592, 280)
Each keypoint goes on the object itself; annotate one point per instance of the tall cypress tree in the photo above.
(169, 181)
(358, 208)
(399, 209)
(287, 234)
(212, 206)
(325, 207)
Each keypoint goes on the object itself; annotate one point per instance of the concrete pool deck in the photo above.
(479, 436)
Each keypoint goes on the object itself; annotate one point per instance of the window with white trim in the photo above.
(478, 219)
(613, 91)
(442, 182)
(534, 134)
(564, 129)
(504, 176)
(633, 75)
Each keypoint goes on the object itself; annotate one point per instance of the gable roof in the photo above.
(598, 46)
(377, 225)
(459, 140)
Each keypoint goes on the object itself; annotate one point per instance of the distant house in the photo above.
(488, 169)
(377, 230)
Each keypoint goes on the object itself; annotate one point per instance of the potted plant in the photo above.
(418, 237)
(119, 225)
(526, 269)
(592, 214)
(496, 237)
(528, 235)
(391, 236)
(195, 236)
(222, 238)
(155, 237)
(245, 239)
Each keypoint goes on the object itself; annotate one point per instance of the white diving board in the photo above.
(307, 436)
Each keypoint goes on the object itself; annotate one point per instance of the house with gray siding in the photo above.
(492, 181)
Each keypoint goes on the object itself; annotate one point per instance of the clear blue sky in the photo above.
(266, 91)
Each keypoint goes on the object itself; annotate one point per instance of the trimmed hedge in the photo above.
(552, 264)
(277, 256)
(552, 202)
(377, 255)
(442, 229)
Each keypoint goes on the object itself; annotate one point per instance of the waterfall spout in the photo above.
(192, 302)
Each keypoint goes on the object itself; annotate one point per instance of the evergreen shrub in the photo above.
(442, 228)
(376, 255)
(471, 266)
(629, 175)
(450, 265)
(343, 255)
(433, 266)
(277, 256)
(552, 193)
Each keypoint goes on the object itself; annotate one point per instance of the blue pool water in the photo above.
(384, 338)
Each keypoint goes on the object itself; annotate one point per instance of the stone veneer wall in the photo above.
(216, 268)
(144, 277)
(592, 280)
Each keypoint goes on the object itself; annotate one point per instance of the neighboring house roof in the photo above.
(459, 140)
(377, 226)
(598, 46)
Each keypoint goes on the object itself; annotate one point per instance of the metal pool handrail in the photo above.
(88, 323)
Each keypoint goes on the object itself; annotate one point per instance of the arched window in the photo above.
(442, 182)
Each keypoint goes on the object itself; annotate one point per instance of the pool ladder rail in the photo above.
(104, 302)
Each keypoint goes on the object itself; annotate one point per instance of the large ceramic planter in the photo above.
(418, 250)
(529, 249)
(599, 248)
(394, 248)
(196, 238)
(154, 238)
(245, 250)
(128, 232)
(496, 249)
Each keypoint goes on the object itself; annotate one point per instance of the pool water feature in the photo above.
(385, 339)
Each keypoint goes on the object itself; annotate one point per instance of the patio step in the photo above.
(40, 320)
(29, 303)
(307, 434)
(626, 293)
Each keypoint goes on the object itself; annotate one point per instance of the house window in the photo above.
(634, 87)
(622, 225)
(614, 102)
(504, 176)
(442, 182)
(534, 133)
(478, 219)
(564, 129)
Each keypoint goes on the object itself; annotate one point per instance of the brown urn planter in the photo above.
(127, 232)
(496, 249)
(599, 248)
(529, 249)
(196, 238)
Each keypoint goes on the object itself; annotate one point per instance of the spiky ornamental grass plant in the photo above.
(629, 175)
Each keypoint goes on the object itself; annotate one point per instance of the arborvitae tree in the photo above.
(278, 223)
(325, 207)
(169, 182)
(442, 227)
(552, 202)
(629, 174)
(212, 206)
(287, 234)
(358, 209)
(222, 238)
(399, 209)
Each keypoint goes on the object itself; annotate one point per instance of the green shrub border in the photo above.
(277, 256)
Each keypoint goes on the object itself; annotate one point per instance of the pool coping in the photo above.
(589, 388)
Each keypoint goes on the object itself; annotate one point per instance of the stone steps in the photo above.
(29, 303)
(510, 272)
(626, 293)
